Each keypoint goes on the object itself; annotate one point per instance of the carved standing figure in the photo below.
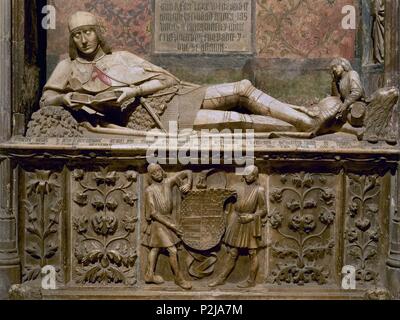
(378, 30)
(162, 232)
(244, 225)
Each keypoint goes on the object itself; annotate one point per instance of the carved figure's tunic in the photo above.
(122, 69)
(378, 32)
(251, 200)
(349, 88)
(158, 201)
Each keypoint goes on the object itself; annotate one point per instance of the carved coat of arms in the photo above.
(202, 217)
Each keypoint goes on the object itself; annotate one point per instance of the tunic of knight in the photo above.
(115, 71)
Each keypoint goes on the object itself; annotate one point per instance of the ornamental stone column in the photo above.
(9, 260)
(392, 78)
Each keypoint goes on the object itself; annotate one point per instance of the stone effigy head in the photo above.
(85, 35)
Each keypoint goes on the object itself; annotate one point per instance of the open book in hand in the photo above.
(102, 99)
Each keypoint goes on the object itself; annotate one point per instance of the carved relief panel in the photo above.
(367, 214)
(41, 222)
(303, 221)
(103, 219)
(109, 226)
(203, 217)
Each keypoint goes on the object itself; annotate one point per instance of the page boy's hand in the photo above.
(342, 110)
(178, 231)
(185, 188)
(246, 218)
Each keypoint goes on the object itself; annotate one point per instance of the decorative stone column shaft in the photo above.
(392, 78)
(9, 260)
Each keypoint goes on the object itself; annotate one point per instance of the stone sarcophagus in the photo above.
(129, 182)
(308, 214)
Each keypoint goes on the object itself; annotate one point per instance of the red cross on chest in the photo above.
(97, 73)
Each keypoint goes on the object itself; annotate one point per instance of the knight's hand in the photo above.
(66, 100)
(126, 93)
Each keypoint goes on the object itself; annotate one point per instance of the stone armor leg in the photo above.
(244, 94)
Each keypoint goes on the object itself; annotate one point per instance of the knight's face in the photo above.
(86, 40)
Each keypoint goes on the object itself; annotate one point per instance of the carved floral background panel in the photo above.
(126, 22)
(301, 29)
(104, 219)
(302, 217)
(42, 223)
(364, 236)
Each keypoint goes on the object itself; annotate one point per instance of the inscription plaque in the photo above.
(203, 26)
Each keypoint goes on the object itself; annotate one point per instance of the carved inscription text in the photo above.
(203, 26)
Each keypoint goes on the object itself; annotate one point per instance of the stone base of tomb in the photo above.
(80, 209)
(172, 293)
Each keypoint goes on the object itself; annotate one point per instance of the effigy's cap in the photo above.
(81, 19)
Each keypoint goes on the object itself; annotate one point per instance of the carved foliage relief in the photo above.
(302, 217)
(43, 209)
(104, 219)
(314, 226)
(362, 231)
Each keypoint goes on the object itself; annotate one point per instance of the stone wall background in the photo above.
(303, 29)
(296, 29)
(290, 35)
